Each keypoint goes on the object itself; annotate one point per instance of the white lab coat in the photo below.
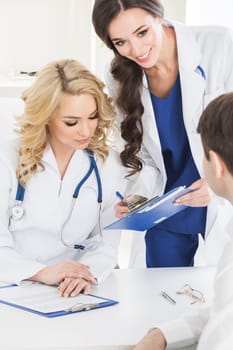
(28, 245)
(212, 49)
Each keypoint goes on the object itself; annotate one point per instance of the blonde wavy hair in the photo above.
(44, 97)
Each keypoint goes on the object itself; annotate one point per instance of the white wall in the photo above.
(210, 12)
(34, 32)
(175, 9)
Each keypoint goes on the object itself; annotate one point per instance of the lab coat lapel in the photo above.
(192, 88)
(49, 159)
(151, 136)
(192, 81)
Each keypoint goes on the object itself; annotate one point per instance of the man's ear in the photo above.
(218, 164)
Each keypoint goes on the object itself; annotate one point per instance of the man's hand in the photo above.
(153, 340)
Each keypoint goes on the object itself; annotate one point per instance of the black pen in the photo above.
(168, 298)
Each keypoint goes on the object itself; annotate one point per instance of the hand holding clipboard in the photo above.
(148, 213)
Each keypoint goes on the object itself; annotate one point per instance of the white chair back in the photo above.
(10, 107)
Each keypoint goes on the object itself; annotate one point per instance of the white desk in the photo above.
(116, 327)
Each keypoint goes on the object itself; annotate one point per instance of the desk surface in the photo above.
(117, 327)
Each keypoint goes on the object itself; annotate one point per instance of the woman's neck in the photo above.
(63, 162)
(163, 74)
(63, 157)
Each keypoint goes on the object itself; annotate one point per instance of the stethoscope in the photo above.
(18, 211)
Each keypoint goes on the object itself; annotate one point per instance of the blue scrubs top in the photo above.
(174, 241)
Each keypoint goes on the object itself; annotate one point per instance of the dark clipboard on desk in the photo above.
(152, 212)
(44, 300)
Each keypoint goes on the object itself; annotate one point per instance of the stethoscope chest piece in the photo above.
(17, 212)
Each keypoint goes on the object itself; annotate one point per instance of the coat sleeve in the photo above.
(14, 267)
(184, 331)
(227, 61)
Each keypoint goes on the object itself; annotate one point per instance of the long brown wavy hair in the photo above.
(127, 73)
(44, 97)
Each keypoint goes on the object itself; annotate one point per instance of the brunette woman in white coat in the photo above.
(161, 77)
(58, 183)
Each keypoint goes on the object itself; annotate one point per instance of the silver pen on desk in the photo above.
(168, 298)
(82, 307)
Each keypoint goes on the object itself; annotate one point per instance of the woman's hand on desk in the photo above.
(55, 274)
(200, 197)
(70, 287)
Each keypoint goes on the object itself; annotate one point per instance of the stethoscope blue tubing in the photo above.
(93, 166)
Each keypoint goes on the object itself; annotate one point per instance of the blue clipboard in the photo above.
(152, 213)
(74, 307)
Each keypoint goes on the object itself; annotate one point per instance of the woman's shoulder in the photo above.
(112, 84)
(112, 167)
(201, 33)
(216, 33)
(212, 29)
(9, 151)
(204, 40)
(113, 158)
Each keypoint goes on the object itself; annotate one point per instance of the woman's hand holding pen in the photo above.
(70, 269)
(200, 197)
(121, 208)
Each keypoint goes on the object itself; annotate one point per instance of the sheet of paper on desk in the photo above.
(43, 298)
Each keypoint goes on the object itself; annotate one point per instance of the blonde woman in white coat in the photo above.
(162, 76)
(46, 234)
